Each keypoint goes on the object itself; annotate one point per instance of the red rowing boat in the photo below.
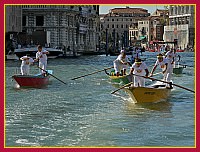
(36, 81)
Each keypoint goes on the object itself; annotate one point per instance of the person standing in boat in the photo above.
(41, 56)
(25, 65)
(135, 54)
(176, 61)
(139, 68)
(170, 56)
(165, 66)
(120, 64)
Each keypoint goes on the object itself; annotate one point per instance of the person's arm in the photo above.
(172, 60)
(45, 52)
(166, 64)
(131, 71)
(37, 57)
(22, 58)
(147, 72)
(152, 71)
(179, 58)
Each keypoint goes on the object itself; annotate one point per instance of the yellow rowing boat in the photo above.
(148, 94)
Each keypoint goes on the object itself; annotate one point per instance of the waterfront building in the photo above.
(13, 19)
(181, 25)
(117, 23)
(63, 25)
(13, 26)
(58, 26)
(149, 29)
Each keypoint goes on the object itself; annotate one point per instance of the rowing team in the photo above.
(140, 68)
(27, 61)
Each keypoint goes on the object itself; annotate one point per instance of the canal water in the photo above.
(84, 113)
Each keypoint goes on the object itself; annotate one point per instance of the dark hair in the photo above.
(39, 47)
(138, 60)
(160, 55)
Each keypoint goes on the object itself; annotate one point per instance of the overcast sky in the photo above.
(104, 9)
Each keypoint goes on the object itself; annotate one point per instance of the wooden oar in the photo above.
(166, 82)
(157, 73)
(51, 75)
(92, 73)
(122, 87)
(184, 65)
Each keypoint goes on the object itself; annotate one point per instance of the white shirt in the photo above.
(139, 70)
(162, 64)
(120, 58)
(42, 57)
(26, 61)
(170, 55)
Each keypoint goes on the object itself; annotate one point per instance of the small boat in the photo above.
(178, 70)
(154, 93)
(125, 79)
(35, 81)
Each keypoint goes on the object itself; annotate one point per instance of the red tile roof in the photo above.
(129, 10)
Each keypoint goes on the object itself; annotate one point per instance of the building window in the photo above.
(95, 7)
(39, 20)
(113, 20)
(113, 26)
(108, 26)
(24, 21)
(117, 25)
(122, 26)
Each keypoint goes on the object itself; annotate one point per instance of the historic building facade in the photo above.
(181, 25)
(149, 28)
(13, 26)
(118, 21)
(63, 25)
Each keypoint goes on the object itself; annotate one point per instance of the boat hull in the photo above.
(121, 79)
(178, 70)
(147, 95)
(37, 81)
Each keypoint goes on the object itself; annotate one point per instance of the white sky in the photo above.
(104, 9)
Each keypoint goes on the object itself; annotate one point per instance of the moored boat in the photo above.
(155, 93)
(33, 50)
